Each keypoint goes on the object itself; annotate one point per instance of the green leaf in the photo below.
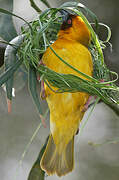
(33, 4)
(69, 4)
(46, 3)
(36, 172)
(7, 29)
(10, 59)
(2, 50)
(9, 13)
(10, 71)
(32, 82)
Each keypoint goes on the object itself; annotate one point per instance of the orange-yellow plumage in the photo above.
(66, 109)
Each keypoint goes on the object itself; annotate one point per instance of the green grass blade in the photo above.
(43, 34)
(9, 72)
(45, 13)
(32, 82)
(108, 34)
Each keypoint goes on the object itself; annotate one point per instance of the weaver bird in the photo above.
(66, 109)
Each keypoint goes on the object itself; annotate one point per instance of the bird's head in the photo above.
(74, 28)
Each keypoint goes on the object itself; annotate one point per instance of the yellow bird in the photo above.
(66, 109)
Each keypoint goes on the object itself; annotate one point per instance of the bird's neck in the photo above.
(70, 35)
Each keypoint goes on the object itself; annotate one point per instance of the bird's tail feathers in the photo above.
(57, 162)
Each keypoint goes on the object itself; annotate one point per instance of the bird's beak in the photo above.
(65, 14)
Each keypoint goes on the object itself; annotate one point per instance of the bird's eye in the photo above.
(69, 21)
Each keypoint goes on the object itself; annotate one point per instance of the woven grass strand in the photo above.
(32, 83)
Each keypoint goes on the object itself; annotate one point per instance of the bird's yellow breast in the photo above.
(72, 52)
(66, 109)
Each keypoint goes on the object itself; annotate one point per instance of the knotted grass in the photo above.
(44, 33)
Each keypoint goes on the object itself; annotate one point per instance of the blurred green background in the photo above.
(16, 129)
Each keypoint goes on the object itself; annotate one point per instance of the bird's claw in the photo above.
(42, 93)
(87, 104)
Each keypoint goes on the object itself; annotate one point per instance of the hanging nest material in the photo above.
(37, 36)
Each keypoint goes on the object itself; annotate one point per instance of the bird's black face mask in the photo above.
(67, 19)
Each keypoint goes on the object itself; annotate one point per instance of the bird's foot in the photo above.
(86, 106)
(42, 93)
(41, 63)
(91, 98)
